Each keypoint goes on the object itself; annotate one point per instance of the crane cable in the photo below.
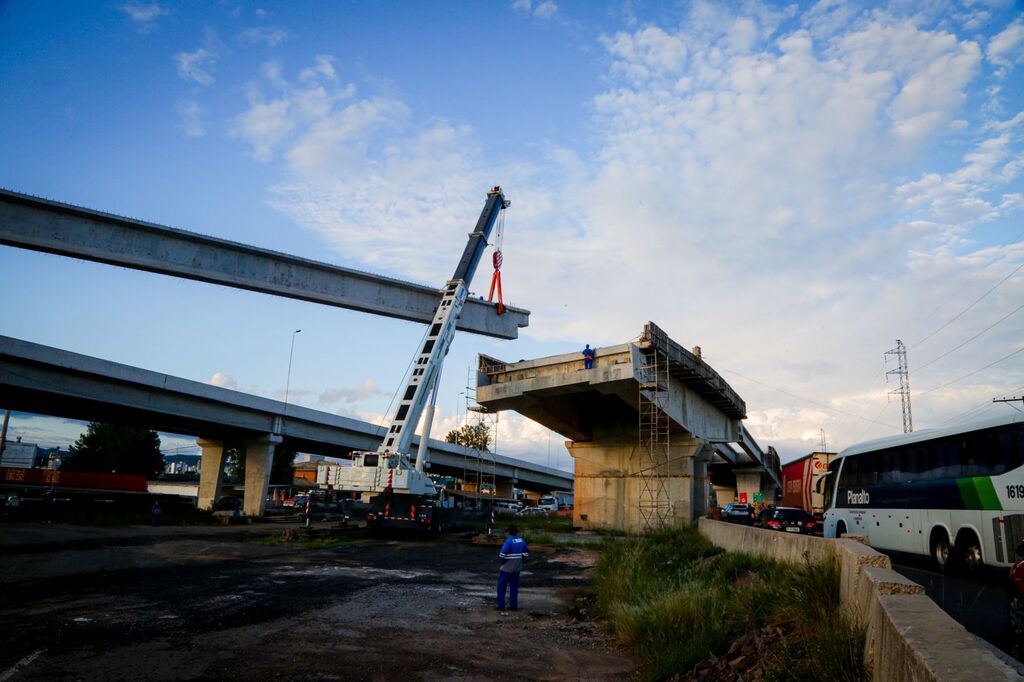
(497, 259)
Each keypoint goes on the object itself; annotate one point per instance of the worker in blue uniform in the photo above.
(512, 555)
(588, 357)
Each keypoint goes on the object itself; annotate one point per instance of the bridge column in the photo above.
(503, 487)
(607, 487)
(749, 481)
(259, 455)
(211, 471)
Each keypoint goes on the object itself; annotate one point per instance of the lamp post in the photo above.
(288, 381)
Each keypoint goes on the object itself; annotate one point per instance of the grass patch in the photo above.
(552, 524)
(676, 599)
(539, 537)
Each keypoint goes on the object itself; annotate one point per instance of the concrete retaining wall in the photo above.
(908, 636)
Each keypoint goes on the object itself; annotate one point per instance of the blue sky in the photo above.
(790, 186)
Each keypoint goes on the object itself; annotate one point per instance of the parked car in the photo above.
(227, 503)
(1015, 597)
(738, 513)
(792, 520)
(534, 511)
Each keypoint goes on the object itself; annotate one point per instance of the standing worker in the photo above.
(512, 555)
(155, 511)
(588, 357)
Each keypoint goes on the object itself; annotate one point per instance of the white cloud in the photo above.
(545, 9)
(193, 118)
(264, 35)
(364, 391)
(144, 15)
(196, 66)
(269, 121)
(1007, 47)
(224, 380)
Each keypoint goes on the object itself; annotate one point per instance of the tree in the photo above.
(117, 449)
(282, 468)
(476, 436)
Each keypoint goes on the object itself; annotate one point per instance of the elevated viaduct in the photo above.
(643, 425)
(44, 380)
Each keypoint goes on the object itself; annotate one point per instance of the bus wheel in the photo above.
(968, 551)
(840, 529)
(940, 547)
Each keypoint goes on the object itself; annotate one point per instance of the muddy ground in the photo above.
(219, 603)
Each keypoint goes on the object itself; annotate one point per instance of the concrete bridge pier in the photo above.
(609, 481)
(752, 481)
(259, 456)
(211, 471)
(503, 488)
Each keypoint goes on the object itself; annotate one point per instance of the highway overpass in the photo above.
(45, 380)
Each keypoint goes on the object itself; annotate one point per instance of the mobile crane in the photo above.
(405, 496)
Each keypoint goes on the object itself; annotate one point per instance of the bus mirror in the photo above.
(1020, 550)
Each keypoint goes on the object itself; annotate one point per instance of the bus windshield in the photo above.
(828, 480)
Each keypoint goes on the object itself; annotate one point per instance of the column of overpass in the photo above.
(211, 471)
(608, 483)
(259, 457)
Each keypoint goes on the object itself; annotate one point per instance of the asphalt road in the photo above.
(977, 602)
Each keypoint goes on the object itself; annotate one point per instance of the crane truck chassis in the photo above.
(406, 497)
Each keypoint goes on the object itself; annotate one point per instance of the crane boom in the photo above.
(427, 366)
(389, 470)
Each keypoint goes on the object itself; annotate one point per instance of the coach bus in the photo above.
(955, 493)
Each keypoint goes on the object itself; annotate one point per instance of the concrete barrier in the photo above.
(908, 636)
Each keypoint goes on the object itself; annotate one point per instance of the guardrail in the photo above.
(908, 636)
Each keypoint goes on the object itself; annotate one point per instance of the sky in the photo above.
(791, 186)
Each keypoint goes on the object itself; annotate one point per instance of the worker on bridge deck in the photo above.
(588, 357)
(512, 555)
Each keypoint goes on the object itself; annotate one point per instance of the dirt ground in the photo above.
(217, 603)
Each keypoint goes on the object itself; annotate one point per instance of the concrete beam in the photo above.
(53, 227)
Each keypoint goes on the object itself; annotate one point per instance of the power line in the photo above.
(1000, 320)
(976, 301)
(949, 383)
(807, 400)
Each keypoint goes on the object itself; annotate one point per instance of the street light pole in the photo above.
(288, 381)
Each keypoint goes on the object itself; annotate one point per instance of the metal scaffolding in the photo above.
(654, 499)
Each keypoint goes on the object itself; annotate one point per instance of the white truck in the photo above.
(405, 497)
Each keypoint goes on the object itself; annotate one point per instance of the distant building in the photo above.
(181, 464)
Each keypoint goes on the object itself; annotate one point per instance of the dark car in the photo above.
(792, 520)
(738, 513)
(227, 503)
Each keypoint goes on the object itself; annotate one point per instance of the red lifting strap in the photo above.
(496, 281)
